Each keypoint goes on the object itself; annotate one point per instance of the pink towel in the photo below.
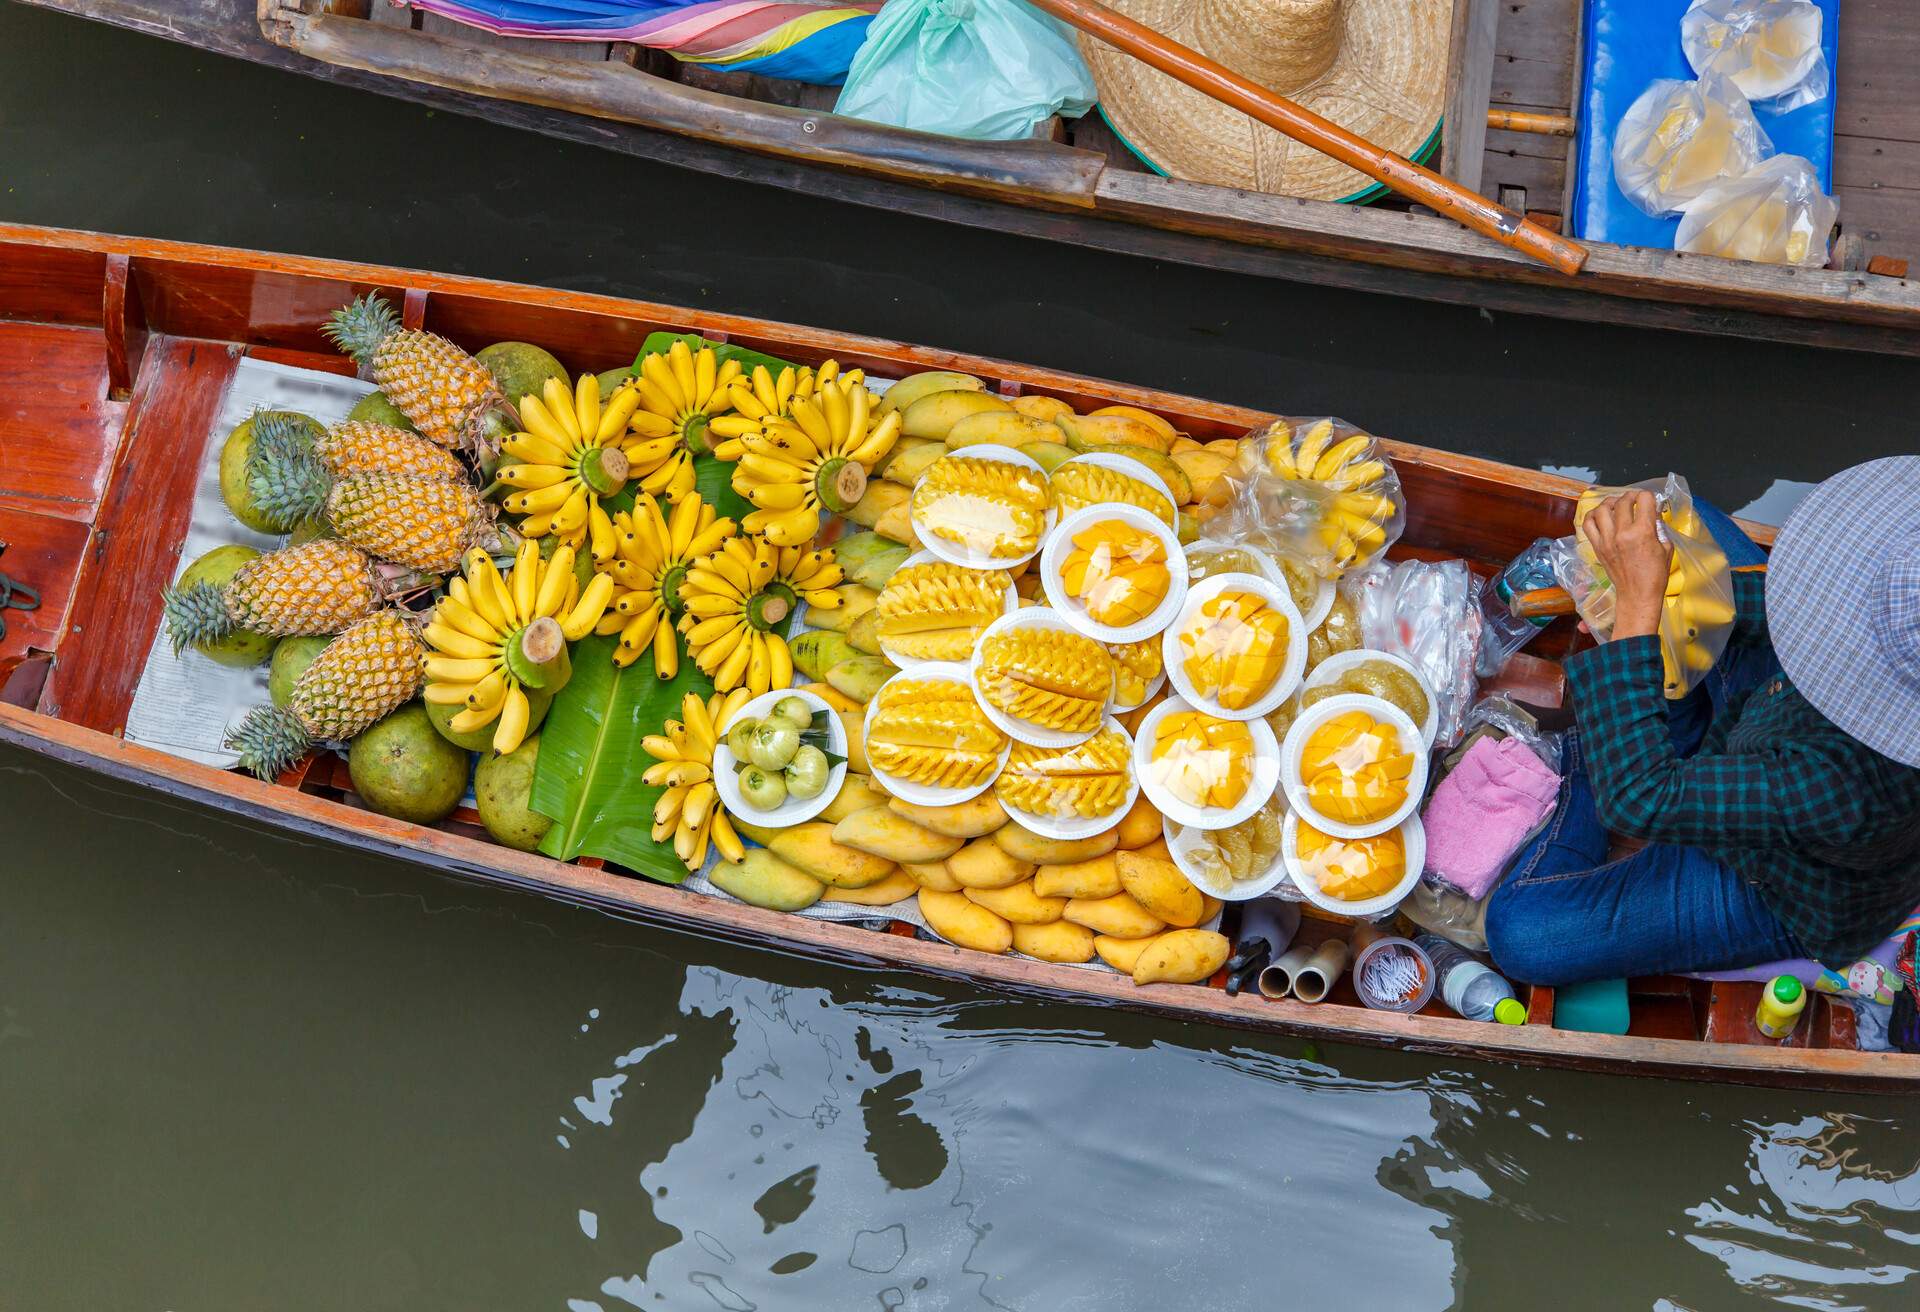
(1484, 810)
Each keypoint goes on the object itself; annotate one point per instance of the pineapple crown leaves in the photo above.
(196, 613)
(269, 740)
(360, 326)
(287, 478)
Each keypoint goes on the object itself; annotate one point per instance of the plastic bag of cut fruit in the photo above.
(1427, 613)
(1771, 49)
(1680, 138)
(1775, 213)
(1696, 618)
(1317, 490)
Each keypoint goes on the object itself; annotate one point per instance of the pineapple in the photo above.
(422, 523)
(369, 671)
(361, 447)
(449, 395)
(315, 588)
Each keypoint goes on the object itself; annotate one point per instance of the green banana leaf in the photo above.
(661, 343)
(588, 777)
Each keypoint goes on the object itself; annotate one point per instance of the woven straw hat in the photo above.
(1376, 67)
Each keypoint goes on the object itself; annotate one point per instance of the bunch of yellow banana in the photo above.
(494, 637)
(680, 393)
(813, 458)
(1698, 604)
(761, 396)
(736, 596)
(653, 551)
(567, 457)
(1353, 525)
(690, 808)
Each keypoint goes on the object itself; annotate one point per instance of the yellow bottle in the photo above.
(1780, 1006)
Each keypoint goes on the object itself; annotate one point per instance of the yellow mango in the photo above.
(1048, 408)
(904, 393)
(904, 468)
(811, 847)
(973, 819)
(1061, 941)
(1019, 841)
(1018, 903)
(1140, 825)
(1085, 432)
(935, 415)
(1097, 878)
(896, 525)
(1182, 956)
(1118, 916)
(858, 793)
(1146, 417)
(999, 428)
(968, 924)
(1121, 953)
(933, 875)
(1160, 888)
(764, 880)
(984, 864)
(1157, 848)
(896, 887)
(884, 834)
(1212, 906)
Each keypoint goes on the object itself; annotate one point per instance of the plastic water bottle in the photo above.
(1471, 989)
(1502, 633)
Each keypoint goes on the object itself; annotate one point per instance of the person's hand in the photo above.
(1624, 535)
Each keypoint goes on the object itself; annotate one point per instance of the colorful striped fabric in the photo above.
(804, 40)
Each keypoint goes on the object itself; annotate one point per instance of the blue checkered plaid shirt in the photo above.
(1825, 827)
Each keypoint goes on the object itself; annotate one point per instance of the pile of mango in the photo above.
(983, 882)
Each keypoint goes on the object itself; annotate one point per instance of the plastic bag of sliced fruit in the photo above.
(1317, 491)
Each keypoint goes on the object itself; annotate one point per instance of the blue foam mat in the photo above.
(1630, 43)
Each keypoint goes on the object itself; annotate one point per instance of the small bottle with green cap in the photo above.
(1781, 1003)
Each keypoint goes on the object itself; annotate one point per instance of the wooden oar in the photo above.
(1303, 125)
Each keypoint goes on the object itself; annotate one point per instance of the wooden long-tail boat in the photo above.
(1512, 66)
(122, 350)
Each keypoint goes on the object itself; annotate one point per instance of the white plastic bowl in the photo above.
(1011, 604)
(1180, 840)
(926, 794)
(1265, 782)
(1318, 714)
(1028, 617)
(1334, 666)
(1053, 562)
(953, 552)
(1084, 826)
(793, 811)
(1276, 597)
(1413, 837)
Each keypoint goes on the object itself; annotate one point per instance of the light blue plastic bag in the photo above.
(991, 70)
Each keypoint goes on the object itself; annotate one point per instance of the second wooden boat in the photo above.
(1520, 62)
(123, 351)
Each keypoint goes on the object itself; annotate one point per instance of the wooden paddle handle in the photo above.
(1303, 125)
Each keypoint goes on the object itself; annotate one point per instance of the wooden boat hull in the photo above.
(141, 337)
(1033, 188)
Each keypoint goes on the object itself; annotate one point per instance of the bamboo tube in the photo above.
(1520, 120)
(1303, 125)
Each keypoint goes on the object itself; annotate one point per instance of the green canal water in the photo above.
(243, 1071)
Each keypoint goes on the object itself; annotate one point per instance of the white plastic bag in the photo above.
(1775, 213)
(1319, 491)
(1428, 613)
(1680, 138)
(988, 70)
(1770, 48)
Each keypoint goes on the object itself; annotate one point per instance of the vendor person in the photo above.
(1781, 801)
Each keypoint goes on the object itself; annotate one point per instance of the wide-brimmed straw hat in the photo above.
(1376, 67)
(1843, 603)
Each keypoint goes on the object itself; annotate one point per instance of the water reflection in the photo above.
(261, 1072)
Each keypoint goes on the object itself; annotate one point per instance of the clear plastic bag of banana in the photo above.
(1318, 491)
(1697, 616)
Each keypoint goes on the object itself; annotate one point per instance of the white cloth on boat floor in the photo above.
(186, 703)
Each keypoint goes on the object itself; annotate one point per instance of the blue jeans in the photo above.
(1564, 914)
